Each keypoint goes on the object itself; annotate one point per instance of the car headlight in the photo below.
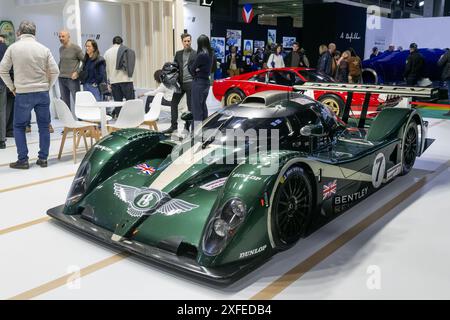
(223, 226)
(79, 184)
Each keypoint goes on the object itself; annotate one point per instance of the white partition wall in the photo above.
(426, 32)
(197, 21)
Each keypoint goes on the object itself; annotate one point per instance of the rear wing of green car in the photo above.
(406, 93)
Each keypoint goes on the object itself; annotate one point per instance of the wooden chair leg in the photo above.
(74, 147)
(84, 139)
(91, 133)
(63, 140)
(78, 137)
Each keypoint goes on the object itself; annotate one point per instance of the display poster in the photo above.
(271, 36)
(288, 42)
(248, 47)
(218, 44)
(351, 29)
(234, 38)
(7, 29)
(258, 44)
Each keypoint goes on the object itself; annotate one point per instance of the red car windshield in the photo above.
(314, 76)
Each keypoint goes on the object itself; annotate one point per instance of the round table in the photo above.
(103, 105)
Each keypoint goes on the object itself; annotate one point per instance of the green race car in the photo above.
(250, 183)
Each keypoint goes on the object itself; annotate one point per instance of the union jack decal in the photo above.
(145, 168)
(329, 189)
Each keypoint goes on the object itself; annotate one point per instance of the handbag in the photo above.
(103, 88)
(82, 76)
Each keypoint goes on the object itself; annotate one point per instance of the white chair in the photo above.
(155, 110)
(85, 107)
(131, 115)
(79, 128)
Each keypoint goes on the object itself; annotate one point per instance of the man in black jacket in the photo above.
(444, 63)
(184, 59)
(415, 65)
(296, 58)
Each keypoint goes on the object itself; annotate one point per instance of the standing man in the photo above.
(35, 71)
(332, 50)
(184, 59)
(414, 66)
(71, 58)
(120, 62)
(444, 63)
(296, 58)
(3, 95)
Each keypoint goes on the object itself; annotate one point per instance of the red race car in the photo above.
(233, 90)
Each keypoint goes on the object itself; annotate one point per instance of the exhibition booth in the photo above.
(293, 186)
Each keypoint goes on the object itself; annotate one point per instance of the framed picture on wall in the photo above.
(234, 38)
(288, 42)
(218, 45)
(271, 36)
(248, 47)
(7, 29)
(258, 44)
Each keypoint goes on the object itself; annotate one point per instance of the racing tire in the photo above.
(409, 147)
(334, 103)
(234, 96)
(292, 208)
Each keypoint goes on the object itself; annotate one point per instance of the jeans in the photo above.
(185, 88)
(10, 98)
(200, 91)
(93, 88)
(411, 81)
(2, 113)
(67, 88)
(24, 103)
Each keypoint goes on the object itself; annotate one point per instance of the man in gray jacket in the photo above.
(35, 71)
(70, 59)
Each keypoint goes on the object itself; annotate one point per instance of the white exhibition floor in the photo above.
(404, 254)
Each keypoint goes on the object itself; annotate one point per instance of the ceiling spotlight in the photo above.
(421, 3)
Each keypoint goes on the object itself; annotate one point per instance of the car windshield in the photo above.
(314, 76)
(218, 128)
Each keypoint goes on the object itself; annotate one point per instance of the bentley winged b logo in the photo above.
(148, 201)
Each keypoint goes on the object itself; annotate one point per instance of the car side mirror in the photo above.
(315, 130)
(187, 116)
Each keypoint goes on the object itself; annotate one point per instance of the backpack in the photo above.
(169, 76)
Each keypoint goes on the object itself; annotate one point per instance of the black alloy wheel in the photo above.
(410, 147)
(292, 208)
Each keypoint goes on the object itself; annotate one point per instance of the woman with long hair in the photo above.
(93, 76)
(354, 67)
(342, 73)
(324, 64)
(201, 70)
(276, 59)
